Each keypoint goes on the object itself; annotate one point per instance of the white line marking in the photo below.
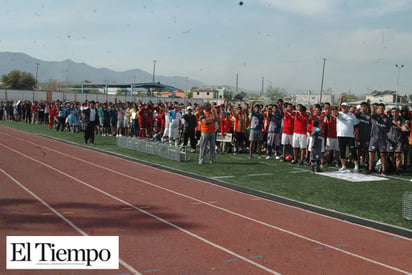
(57, 213)
(258, 175)
(211, 205)
(122, 158)
(143, 211)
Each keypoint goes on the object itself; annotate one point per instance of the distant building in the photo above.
(387, 97)
(211, 94)
(313, 98)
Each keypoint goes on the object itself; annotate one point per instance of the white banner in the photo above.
(353, 177)
(62, 252)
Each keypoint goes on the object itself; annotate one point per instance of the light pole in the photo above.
(399, 67)
(154, 69)
(37, 72)
(323, 76)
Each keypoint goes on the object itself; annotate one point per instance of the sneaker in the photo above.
(293, 162)
(200, 162)
(259, 156)
(282, 159)
(193, 150)
(301, 163)
(213, 162)
(250, 157)
(267, 157)
(356, 170)
(308, 164)
(343, 169)
(277, 157)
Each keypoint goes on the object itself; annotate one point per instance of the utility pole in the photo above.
(154, 69)
(323, 77)
(237, 83)
(397, 83)
(37, 72)
(263, 85)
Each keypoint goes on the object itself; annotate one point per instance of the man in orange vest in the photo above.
(207, 120)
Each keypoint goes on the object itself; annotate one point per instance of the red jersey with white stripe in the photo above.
(332, 127)
(240, 122)
(288, 123)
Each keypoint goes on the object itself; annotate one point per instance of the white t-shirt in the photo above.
(345, 124)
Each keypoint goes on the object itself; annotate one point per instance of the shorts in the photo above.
(287, 139)
(300, 141)
(377, 144)
(120, 123)
(126, 123)
(332, 144)
(273, 139)
(347, 142)
(255, 135)
(394, 147)
(362, 143)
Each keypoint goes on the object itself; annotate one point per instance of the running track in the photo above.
(172, 224)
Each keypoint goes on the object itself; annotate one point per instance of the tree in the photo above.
(18, 80)
(347, 97)
(51, 85)
(253, 96)
(228, 95)
(275, 93)
(240, 96)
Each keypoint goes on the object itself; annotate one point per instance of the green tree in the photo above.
(228, 95)
(275, 93)
(348, 97)
(253, 96)
(51, 85)
(240, 96)
(18, 80)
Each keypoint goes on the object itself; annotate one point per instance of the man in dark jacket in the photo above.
(91, 118)
(189, 129)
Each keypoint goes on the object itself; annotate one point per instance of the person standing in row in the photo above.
(207, 127)
(91, 118)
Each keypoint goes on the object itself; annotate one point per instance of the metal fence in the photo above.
(164, 150)
(407, 205)
(31, 95)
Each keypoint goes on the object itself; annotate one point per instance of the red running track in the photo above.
(172, 224)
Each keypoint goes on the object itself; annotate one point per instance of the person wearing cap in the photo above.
(345, 130)
(189, 126)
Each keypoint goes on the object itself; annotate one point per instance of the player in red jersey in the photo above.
(287, 133)
(300, 142)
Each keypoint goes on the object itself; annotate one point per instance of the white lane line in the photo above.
(258, 175)
(119, 156)
(227, 210)
(147, 213)
(66, 220)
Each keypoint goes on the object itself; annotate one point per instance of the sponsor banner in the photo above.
(62, 252)
(353, 177)
(225, 138)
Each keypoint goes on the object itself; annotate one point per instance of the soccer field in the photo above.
(376, 200)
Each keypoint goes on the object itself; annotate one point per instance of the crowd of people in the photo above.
(316, 136)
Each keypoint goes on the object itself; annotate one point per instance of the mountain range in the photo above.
(73, 72)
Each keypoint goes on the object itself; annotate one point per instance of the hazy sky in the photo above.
(283, 41)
